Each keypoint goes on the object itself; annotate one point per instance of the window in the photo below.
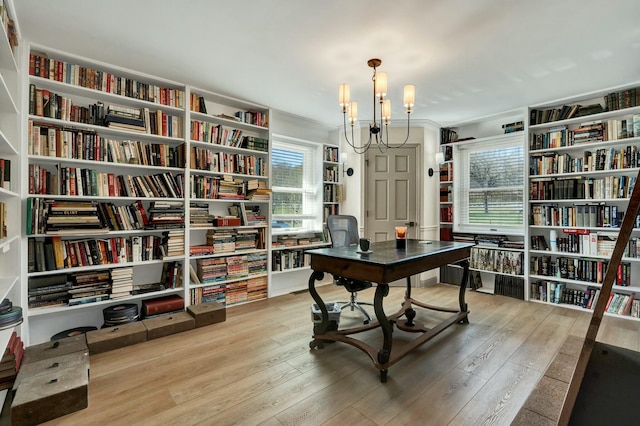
(296, 184)
(489, 186)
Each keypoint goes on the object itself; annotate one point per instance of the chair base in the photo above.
(354, 304)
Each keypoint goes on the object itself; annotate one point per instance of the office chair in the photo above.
(343, 231)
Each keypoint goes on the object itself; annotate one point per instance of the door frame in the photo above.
(419, 187)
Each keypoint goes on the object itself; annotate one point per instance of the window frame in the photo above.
(311, 190)
(462, 190)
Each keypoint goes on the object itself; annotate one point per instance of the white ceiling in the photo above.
(467, 58)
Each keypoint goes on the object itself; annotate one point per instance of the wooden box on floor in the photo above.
(111, 338)
(49, 395)
(75, 361)
(168, 324)
(208, 313)
(53, 349)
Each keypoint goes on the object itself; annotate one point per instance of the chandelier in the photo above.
(381, 111)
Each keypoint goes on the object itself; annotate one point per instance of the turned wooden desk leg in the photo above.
(387, 331)
(321, 327)
(409, 312)
(463, 288)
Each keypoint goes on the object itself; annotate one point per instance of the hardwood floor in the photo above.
(256, 368)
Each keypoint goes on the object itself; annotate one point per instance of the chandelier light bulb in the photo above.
(381, 84)
(409, 96)
(343, 95)
(353, 112)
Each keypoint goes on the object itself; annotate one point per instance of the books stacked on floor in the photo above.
(222, 240)
(171, 274)
(212, 293)
(166, 214)
(257, 263)
(256, 288)
(237, 267)
(199, 216)
(125, 118)
(11, 361)
(162, 306)
(10, 315)
(121, 282)
(120, 314)
(246, 239)
(173, 243)
(73, 218)
(89, 287)
(48, 291)
(211, 270)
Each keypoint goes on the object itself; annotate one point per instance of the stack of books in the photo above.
(211, 270)
(89, 287)
(222, 240)
(73, 218)
(173, 243)
(199, 216)
(48, 291)
(121, 282)
(11, 361)
(166, 214)
(125, 118)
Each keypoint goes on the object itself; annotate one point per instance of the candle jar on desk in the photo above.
(401, 237)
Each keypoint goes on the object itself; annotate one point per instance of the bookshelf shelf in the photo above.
(235, 280)
(596, 156)
(332, 188)
(41, 312)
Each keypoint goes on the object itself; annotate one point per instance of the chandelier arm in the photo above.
(408, 128)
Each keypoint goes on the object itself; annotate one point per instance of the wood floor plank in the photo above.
(500, 399)
(349, 416)
(449, 394)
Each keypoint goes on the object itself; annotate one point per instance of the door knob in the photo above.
(410, 224)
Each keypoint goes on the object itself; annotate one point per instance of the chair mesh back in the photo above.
(343, 230)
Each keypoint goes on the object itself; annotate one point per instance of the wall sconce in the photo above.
(345, 170)
(439, 157)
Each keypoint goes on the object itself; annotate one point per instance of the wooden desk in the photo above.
(383, 265)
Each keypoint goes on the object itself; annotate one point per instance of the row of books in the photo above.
(446, 194)
(55, 141)
(565, 112)
(5, 174)
(223, 162)
(217, 134)
(330, 154)
(3, 220)
(582, 241)
(602, 159)
(53, 253)
(505, 285)
(229, 240)
(215, 270)
(281, 241)
(496, 260)
(601, 215)
(331, 174)
(91, 182)
(555, 292)
(517, 126)
(596, 131)
(446, 172)
(41, 65)
(283, 260)
(582, 188)
(587, 270)
(217, 187)
(257, 118)
(332, 193)
(234, 293)
(446, 214)
(330, 209)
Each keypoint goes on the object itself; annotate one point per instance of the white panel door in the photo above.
(391, 196)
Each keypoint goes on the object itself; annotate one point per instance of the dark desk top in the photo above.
(385, 263)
